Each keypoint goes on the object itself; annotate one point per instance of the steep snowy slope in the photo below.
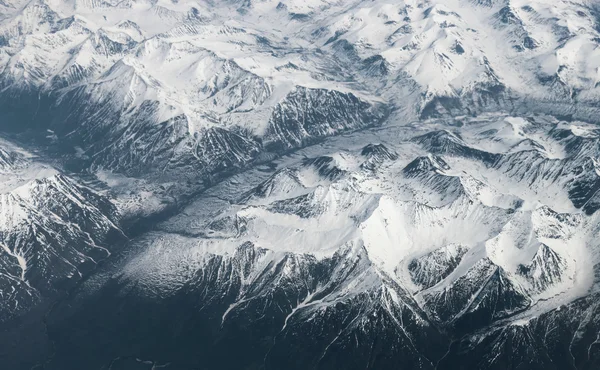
(52, 231)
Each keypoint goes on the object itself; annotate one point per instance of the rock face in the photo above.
(299, 185)
(432, 268)
(52, 231)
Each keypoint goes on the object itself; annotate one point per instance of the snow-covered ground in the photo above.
(372, 169)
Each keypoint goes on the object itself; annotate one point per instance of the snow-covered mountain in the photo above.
(402, 244)
(332, 184)
(146, 86)
(53, 231)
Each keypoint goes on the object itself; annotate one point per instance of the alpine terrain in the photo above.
(299, 184)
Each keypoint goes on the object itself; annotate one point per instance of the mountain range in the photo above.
(317, 184)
